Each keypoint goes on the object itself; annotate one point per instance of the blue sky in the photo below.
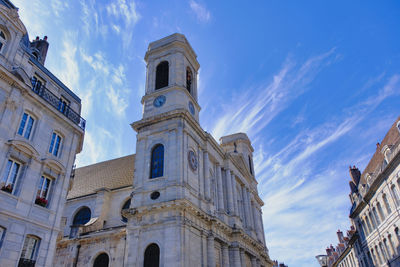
(315, 84)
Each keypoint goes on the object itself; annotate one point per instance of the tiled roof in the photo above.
(392, 138)
(111, 174)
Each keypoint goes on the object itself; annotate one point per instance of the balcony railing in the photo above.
(26, 263)
(57, 103)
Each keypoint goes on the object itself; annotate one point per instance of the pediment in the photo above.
(24, 147)
(54, 165)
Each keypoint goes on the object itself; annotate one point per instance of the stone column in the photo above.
(236, 257)
(254, 262)
(210, 251)
(229, 191)
(242, 257)
(207, 186)
(234, 195)
(220, 189)
(225, 256)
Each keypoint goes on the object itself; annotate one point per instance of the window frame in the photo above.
(24, 125)
(162, 75)
(7, 172)
(40, 199)
(35, 251)
(3, 41)
(77, 212)
(2, 235)
(157, 173)
(52, 144)
(37, 83)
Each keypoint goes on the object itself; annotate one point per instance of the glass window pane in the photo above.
(46, 187)
(14, 173)
(40, 187)
(7, 172)
(22, 124)
(57, 146)
(29, 128)
(52, 143)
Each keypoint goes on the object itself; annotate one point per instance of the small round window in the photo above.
(155, 195)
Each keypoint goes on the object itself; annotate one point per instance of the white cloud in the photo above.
(259, 108)
(202, 14)
(125, 11)
(69, 72)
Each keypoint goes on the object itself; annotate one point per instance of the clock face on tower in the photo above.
(159, 101)
(191, 107)
(192, 160)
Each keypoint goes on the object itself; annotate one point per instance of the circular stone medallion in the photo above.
(191, 107)
(159, 101)
(192, 160)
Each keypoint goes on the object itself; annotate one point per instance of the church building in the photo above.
(183, 199)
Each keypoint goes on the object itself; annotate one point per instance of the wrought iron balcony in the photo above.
(26, 263)
(57, 103)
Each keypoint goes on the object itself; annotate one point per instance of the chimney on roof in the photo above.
(353, 187)
(355, 175)
(39, 48)
(378, 145)
(340, 236)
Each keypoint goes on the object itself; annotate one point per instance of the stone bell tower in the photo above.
(194, 203)
(171, 81)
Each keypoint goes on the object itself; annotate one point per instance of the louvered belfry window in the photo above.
(162, 73)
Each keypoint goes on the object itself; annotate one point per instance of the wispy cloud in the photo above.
(266, 102)
(202, 14)
(125, 12)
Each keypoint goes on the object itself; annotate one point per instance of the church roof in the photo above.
(111, 174)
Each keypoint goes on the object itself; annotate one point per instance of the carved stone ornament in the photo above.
(192, 160)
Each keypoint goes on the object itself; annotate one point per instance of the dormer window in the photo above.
(189, 77)
(398, 126)
(37, 84)
(162, 73)
(3, 41)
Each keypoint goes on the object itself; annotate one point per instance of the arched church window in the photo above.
(82, 217)
(126, 205)
(162, 73)
(152, 256)
(189, 77)
(157, 161)
(102, 260)
(3, 40)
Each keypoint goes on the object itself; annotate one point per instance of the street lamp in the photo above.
(322, 260)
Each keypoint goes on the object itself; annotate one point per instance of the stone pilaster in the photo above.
(225, 256)
(220, 189)
(210, 251)
(229, 191)
(234, 195)
(236, 257)
(254, 262)
(242, 257)
(207, 184)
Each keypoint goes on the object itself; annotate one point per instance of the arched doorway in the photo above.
(152, 256)
(102, 260)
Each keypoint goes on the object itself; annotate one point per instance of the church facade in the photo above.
(183, 199)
